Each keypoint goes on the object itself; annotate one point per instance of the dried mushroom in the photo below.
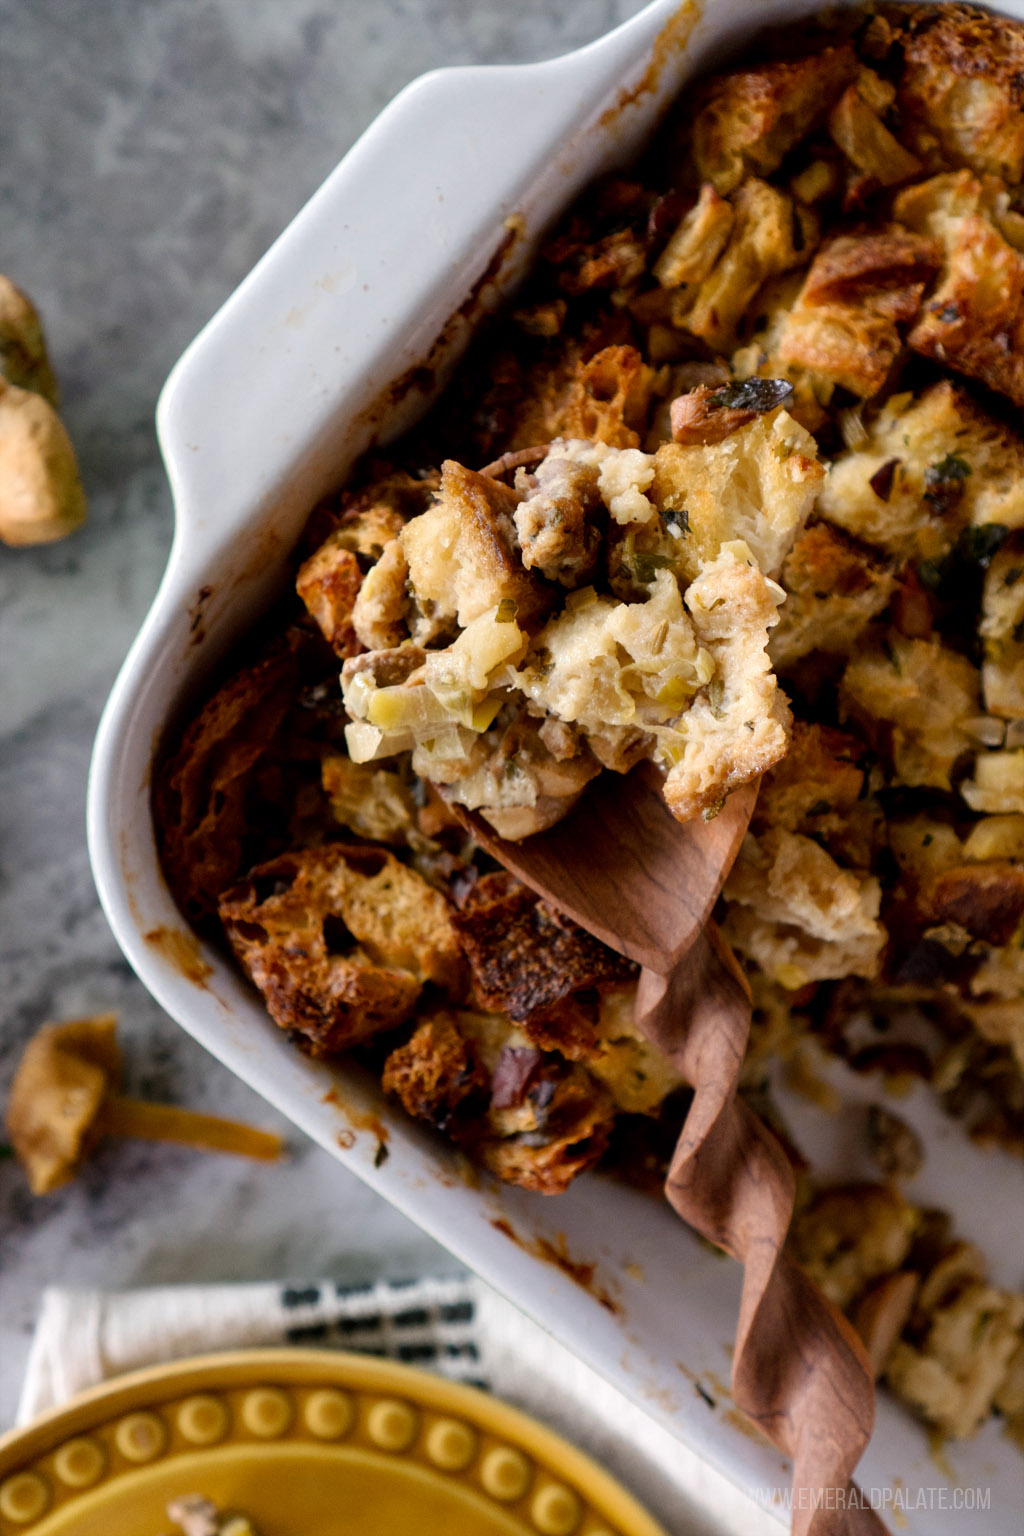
(64, 1099)
(41, 496)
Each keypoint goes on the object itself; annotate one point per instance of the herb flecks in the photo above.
(944, 482)
(646, 566)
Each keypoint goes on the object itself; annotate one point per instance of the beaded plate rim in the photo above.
(553, 1468)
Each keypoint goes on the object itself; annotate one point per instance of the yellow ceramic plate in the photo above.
(306, 1443)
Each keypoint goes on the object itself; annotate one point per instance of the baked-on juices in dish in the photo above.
(737, 487)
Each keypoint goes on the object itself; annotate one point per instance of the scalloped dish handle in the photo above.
(357, 289)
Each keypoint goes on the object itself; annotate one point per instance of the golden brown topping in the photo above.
(974, 321)
(913, 697)
(328, 583)
(340, 940)
(204, 796)
(435, 1071)
(843, 326)
(834, 589)
(962, 89)
(748, 120)
(860, 133)
(527, 959)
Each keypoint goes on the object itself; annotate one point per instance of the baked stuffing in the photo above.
(736, 485)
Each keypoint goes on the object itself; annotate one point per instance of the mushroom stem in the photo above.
(167, 1122)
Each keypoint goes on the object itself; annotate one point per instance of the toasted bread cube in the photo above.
(789, 878)
(435, 1072)
(757, 485)
(749, 120)
(1002, 630)
(974, 321)
(917, 439)
(739, 726)
(937, 206)
(912, 697)
(843, 326)
(698, 241)
(341, 940)
(769, 236)
(962, 88)
(328, 583)
(834, 588)
(857, 129)
(460, 553)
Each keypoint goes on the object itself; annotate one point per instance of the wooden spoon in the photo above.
(645, 884)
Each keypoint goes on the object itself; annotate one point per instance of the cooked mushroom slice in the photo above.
(64, 1099)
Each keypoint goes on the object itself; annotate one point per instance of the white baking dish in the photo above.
(265, 412)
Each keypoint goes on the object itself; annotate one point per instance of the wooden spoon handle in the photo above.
(799, 1371)
(167, 1122)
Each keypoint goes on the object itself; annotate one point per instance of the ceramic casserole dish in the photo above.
(333, 342)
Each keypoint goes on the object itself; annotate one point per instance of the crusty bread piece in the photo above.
(856, 127)
(460, 552)
(604, 396)
(912, 698)
(527, 960)
(436, 1071)
(697, 241)
(974, 320)
(834, 588)
(340, 940)
(844, 325)
(758, 485)
(961, 92)
(557, 1142)
(929, 466)
(201, 800)
(738, 727)
(328, 583)
(1002, 631)
(748, 120)
(526, 1114)
(769, 235)
(937, 206)
(788, 878)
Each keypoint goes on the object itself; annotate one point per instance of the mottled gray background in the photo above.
(150, 151)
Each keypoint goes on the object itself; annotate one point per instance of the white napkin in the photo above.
(457, 1327)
